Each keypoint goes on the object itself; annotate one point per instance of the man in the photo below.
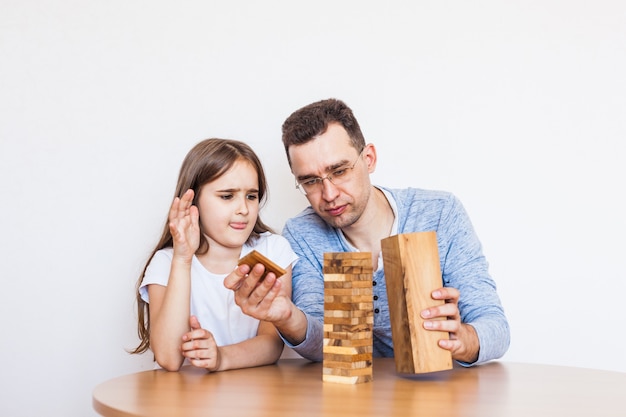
(332, 164)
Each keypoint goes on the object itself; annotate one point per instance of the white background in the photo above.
(517, 107)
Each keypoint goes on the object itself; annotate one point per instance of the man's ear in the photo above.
(370, 157)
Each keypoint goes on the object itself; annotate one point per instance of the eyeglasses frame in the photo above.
(329, 177)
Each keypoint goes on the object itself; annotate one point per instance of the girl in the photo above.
(185, 312)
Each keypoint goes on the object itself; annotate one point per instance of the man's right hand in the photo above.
(261, 300)
(265, 301)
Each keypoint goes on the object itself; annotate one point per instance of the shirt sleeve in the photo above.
(308, 292)
(157, 272)
(465, 268)
(280, 251)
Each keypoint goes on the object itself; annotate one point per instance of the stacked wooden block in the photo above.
(348, 317)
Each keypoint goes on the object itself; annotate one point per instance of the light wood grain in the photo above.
(294, 387)
(254, 257)
(348, 318)
(412, 272)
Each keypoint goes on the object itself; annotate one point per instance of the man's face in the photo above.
(331, 154)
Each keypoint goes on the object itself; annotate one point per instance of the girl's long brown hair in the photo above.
(205, 162)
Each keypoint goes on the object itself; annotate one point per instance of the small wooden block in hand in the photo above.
(255, 257)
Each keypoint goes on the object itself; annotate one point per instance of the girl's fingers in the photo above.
(187, 199)
(195, 216)
(181, 205)
(174, 209)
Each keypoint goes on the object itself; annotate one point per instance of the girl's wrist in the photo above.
(182, 260)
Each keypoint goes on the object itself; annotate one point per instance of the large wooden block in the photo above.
(412, 272)
(348, 318)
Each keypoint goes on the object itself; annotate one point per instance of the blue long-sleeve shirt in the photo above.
(463, 266)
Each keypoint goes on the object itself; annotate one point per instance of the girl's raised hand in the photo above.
(184, 226)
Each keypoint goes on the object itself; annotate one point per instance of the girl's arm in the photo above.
(169, 306)
(263, 349)
(169, 320)
(199, 347)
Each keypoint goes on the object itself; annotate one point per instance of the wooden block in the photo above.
(412, 272)
(255, 257)
(347, 342)
(345, 299)
(346, 379)
(348, 350)
(348, 318)
(349, 307)
(346, 365)
(363, 284)
(350, 291)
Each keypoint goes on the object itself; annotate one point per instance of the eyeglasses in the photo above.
(339, 176)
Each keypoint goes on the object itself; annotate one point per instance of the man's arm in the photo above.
(470, 290)
(265, 300)
(306, 239)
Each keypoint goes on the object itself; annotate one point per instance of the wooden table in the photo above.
(294, 387)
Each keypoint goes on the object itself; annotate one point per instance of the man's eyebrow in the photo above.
(329, 168)
(337, 165)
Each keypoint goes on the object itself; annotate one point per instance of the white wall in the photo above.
(518, 107)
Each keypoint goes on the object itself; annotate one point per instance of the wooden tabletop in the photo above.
(294, 387)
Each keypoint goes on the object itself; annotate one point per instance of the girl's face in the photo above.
(229, 206)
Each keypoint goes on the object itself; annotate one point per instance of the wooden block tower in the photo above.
(348, 317)
(412, 272)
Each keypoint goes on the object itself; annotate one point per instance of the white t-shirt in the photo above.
(211, 301)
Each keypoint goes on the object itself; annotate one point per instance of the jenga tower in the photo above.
(348, 317)
(412, 273)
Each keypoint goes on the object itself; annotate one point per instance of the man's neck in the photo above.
(375, 224)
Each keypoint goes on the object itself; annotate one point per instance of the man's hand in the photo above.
(463, 342)
(265, 301)
(261, 300)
